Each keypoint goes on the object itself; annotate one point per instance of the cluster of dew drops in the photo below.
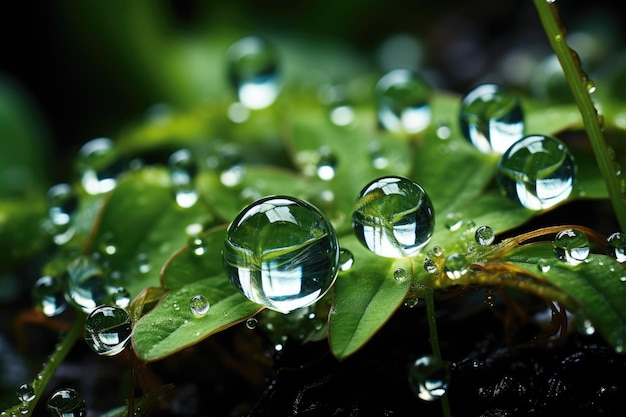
(298, 257)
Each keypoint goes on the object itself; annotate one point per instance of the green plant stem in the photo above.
(429, 297)
(579, 85)
(45, 375)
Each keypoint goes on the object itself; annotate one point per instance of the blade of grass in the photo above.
(579, 83)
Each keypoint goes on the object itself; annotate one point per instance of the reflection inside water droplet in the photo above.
(183, 171)
(48, 296)
(98, 165)
(429, 377)
(199, 305)
(107, 330)
(66, 402)
(403, 102)
(616, 246)
(571, 246)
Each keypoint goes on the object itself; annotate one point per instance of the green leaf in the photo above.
(141, 226)
(366, 296)
(171, 326)
(594, 290)
(21, 233)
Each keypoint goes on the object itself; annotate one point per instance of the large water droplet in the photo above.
(393, 217)
(456, 265)
(183, 171)
(199, 305)
(25, 392)
(86, 286)
(48, 295)
(403, 102)
(491, 118)
(616, 246)
(254, 72)
(429, 377)
(571, 246)
(66, 402)
(537, 171)
(281, 252)
(98, 165)
(107, 330)
(62, 205)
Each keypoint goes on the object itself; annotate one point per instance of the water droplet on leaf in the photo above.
(394, 217)
(48, 295)
(346, 260)
(403, 102)
(400, 274)
(199, 305)
(616, 246)
(86, 286)
(281, 252)
(62, 205)
(571, 246)
(98, 165)
(491, 118)
(456, 266)
(183, 171)
(107, 330)
(25, 392)
(537, 171)
(254, 72)
(484, 235)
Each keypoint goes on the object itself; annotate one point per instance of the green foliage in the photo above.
(141, 236)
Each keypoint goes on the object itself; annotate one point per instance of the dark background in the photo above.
(82, 92)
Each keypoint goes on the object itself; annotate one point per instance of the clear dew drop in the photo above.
(543, 265)
(402, 98)
(377, 155)
(400, 274)
(571, 246)
(199, 305)
(453, 221)
(254, 72)
(537, 172)
(98, 165)
(66, 402)
(394, 217)
(281, 252)
(48, 295)
(489, 298)
(346, 260)
(183, 170)
(456, 265)
(616, 246)
(86, 284)
(491, 118)
(108, 330)
(326, 164)
(62, 203)
(484, 235)
(120, 296)
(197, 245)
(429, 377)
(25, 393)
(252, 323)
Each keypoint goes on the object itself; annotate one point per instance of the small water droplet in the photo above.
(537, 171)
(62, 205)
(183, 171)
(411, 302)
(377, 155)
(143, 263)
(326, 164)
(453, 221)
(342, 115)
(98, 165)
(400, 274)
(120, 296)
(403, 102)
(281, 252)
(25, 393)
(394, 217)
(197, 245)
(456, 266)
(484, 235)
(491, 118)
(571, 246)
(430, 265)
(346, 260)
(107, 330)
(66, 402)
(86, 286)
(616, 246)
(429, 377)
(48, 295)
(543, 265)
(489, 298)
(199, 305)
(254, 71)
(251, 323)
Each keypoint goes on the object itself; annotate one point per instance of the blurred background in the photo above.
(92, 66)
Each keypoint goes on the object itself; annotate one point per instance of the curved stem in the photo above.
(579, 84)
(45, 375)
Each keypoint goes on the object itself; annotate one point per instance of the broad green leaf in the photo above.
(594, 290)
(21, 233)
(141, 226)
(171, 326)
(365, 297)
